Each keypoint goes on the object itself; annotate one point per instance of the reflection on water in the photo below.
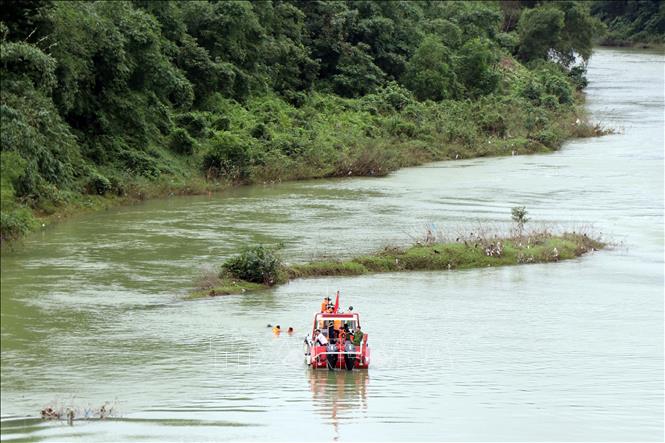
(339, 395)
(93, 309)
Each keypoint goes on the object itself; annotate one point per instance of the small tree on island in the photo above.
(258, 264)
(519, 214)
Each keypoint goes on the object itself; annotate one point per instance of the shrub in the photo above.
(24, 59)
(257, 264)
(401, 128)
(98, 184)
(395, 96)
(195, 123)
(531, 89)
(507, 40)
(227, 156)
(260, 131)
(15, 223)
(578, 76)
(548, 138)
(494, 123)
(558, 86)
(221, 123)
(519, 216)
(550, 101)
(140, 163)
(181, 142)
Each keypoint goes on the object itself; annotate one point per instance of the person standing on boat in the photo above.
(357, 336)
(332, 333)
(320, 339)
(324, 304)
(342, 336)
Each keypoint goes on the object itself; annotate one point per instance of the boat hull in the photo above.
(331, 357)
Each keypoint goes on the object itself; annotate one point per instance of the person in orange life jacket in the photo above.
(342, 336)
(324, 304)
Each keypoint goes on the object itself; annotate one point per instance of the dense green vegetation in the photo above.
(104, 101)
(266, 269)
(631, 22)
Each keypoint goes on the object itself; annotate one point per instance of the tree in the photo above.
(562, 30)
(288, 63)
(631, 21)
(539, 31)
(476, 68)
(357, 74)
(24, 18)
(519, 216)
(430, 73)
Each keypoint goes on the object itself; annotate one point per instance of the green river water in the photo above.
(93, 309)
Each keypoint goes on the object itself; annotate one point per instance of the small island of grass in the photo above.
(260, 267)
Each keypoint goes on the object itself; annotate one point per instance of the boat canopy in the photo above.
(322, 319)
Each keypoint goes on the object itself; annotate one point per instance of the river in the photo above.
(93, 309)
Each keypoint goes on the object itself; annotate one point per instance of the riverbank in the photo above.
(473, 251)
(628, 44)
(372, 145)
(192, 107)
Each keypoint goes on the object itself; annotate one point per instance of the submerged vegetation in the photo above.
(108, 101)
(260, 267)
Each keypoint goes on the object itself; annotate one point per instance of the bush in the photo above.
(227, 156)
(400, 128)
(221, 123)
(548, 138)
(558, 86)
(396, 96)
(494, 123)
(15, 223)
(195, 123)
(181, 142)
(98, 184)
(578, 76)
(257, 264)
(260, 131)
(140, 163)
(508, 41)
(532, 90)
(550, 101)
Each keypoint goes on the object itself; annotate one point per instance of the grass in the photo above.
(227, 286)
(464, 253)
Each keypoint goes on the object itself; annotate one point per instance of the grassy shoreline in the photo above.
(571, 123)
(466, 253)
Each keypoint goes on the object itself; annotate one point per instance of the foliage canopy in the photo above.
(98, 95)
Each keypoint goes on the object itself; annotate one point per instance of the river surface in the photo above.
(93, 309)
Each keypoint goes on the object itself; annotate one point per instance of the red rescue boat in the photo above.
(337, 341)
